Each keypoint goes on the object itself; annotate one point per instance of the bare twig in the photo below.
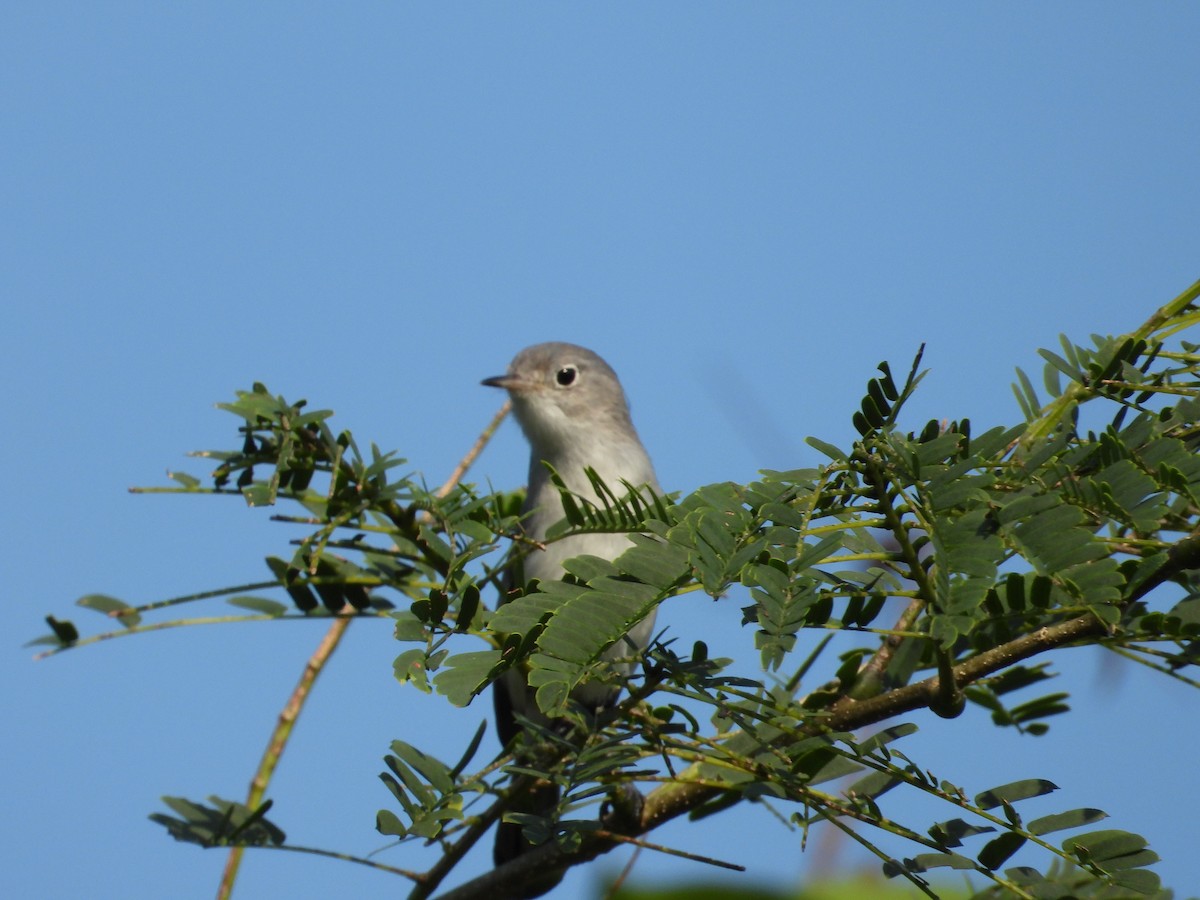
(291, 711)
(279, 739)
(482, 441)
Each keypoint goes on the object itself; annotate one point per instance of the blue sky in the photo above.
(744, 208)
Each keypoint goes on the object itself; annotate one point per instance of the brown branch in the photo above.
(679, 797)
(428, 882)
(291, 711)
(871, 675)
(279, 738)
(482, 441)
(682, 796)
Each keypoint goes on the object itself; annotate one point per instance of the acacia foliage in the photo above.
(960, 560)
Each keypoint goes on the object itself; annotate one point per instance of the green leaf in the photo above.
(290, 579)
(846, 763)
(653, 562)
(923, 862)
(433, 544)
(1017, 678)
(952, 832)
(1057, 362)
(387, 822)
(874, 785)
(224, 823)
(579, 622)
(65, 631)
(1112, 850)
(411, 667)
(522, 615)
(596, 619)
(1014, 792)
(1027, 396)
(431, 769)
(714, 520)
(409, 627)
(184, 479)
(1041, 708)
(465, 675)
(1187, 611)
(425, 788)
(1145, 883)
(1074, 818)
(1054, 538)
(259, 605)
(714, 544)
(593, 620)
(782, 603)
(470, 600)
(472, 747)
(828, 449)
(998, 850)
(258, 494)
(111, 606)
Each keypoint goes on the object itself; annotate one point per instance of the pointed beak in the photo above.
(509, 382)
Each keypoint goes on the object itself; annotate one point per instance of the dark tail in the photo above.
(510, 838)
(540, 800)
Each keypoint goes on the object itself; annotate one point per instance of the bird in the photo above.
(575, 415)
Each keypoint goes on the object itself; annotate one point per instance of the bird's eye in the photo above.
(566, 376)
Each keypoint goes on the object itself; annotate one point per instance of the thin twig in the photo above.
(670, 851)
(430, 880)
(344, 857)
(291, 712)
(279, 739)
(624, 875)
(688, 792)
(466, 462)
(162, 626)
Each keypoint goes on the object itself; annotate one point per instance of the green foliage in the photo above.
(224, 823)
(426, 789)
(953, 556)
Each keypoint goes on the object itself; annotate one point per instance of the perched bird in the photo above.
(573, 412)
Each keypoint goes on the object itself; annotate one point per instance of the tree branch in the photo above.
(682, 796)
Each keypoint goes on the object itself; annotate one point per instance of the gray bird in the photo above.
(573, 412)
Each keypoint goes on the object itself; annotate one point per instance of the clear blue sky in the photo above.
(743, 207)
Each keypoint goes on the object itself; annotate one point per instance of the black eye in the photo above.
(566, 375)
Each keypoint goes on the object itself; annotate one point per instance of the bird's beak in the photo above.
(509, 382)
